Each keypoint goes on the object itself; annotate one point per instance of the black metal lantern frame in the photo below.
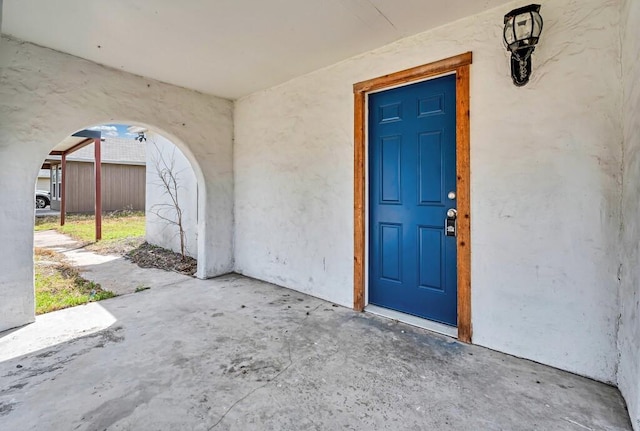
(522, 28)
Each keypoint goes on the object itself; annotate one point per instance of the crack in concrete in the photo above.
(254, 390)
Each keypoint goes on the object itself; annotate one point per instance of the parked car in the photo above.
(43, 198)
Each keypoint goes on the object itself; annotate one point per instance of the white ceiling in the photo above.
(228, 48)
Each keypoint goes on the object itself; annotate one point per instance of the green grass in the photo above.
(82, 227)
(59, 285)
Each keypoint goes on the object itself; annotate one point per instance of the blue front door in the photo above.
(412, 185)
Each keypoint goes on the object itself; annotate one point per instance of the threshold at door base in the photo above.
(429, 325)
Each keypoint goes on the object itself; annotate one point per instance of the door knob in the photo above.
(452, 213)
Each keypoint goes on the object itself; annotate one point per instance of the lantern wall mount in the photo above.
(522, 28)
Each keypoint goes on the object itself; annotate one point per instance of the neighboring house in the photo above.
(44, 180)
(158, 231)
(123, 177)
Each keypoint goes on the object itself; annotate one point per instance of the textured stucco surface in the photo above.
(158, 231)
(545, 163)
(629, 334)
(46, 96)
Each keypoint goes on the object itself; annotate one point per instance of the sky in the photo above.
(114, 131)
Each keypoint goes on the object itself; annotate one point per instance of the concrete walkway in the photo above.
(234, 353)
(107, 270)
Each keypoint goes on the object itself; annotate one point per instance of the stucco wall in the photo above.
(45, 96)
(629, 334)
(545, 163)
(158, 231)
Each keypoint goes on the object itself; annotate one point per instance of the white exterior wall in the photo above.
(545, 181)
(629, 334)
(45, 96)
(158, 231)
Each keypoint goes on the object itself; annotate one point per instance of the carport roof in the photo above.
(114, 150)
(75, 142)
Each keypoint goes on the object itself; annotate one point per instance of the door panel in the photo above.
(412, 144)
(430, 258)
(390, 169)
(430, 168)
(391, 252)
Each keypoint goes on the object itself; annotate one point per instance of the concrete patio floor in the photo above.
(234, 353)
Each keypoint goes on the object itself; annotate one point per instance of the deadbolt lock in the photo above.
(450, 223)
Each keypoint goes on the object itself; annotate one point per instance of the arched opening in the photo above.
(64, 94)
(139, 190)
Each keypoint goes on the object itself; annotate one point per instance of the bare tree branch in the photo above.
(167, 177)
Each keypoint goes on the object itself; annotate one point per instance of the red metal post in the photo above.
(98, 181)
(62, 192)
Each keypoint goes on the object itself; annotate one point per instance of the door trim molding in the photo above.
(460, 64)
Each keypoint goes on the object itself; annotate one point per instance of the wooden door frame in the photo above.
(459, 64)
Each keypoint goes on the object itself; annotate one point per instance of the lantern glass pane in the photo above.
(509, 36)
(537, 25)
(524, 26)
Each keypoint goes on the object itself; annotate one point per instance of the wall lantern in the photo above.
(522, 28)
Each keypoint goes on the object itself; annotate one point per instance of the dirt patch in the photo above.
(5, 409)
(151, 256)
